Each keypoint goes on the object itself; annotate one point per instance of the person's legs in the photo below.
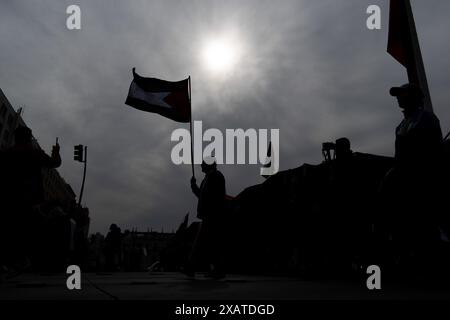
(215, 249)
(189, 267)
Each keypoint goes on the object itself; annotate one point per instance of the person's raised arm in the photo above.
(194, 187)
(54, 161)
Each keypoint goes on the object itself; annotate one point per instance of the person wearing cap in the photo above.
(418, 140)
(412, 184)
(210, 209)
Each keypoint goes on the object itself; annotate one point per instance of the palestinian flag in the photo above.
(167, 98)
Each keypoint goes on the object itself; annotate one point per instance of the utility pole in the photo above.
(80, 154)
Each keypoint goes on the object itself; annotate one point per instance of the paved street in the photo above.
(168, 286)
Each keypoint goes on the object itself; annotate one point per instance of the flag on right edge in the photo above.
(403, 45)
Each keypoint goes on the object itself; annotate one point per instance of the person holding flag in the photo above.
(173, 100)
(419, 136)
(411, 187)
(211, 209)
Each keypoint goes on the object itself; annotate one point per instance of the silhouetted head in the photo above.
(409, 96)
(343, 148)
(22, 135)
(113, 227)
(209, 164)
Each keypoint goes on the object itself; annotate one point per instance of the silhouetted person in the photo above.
(343, 149)
(211, 210)
(113, 246)
(412, 185)
(342, 167)
(346, 226)
(418, 138)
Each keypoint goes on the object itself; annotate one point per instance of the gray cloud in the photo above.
(310, 68)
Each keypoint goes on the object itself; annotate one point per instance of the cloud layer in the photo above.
(310, 68)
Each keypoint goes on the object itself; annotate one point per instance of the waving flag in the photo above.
(403, 45)
(167, 98)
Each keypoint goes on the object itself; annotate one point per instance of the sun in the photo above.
(220, 55)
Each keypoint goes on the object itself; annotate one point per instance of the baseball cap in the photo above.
(407, 89)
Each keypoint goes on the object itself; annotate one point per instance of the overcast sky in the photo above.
(308, 67)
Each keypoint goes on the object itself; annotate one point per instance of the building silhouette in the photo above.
(65, 225)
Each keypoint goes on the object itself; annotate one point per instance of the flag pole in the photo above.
(190, 127)
(417, 74)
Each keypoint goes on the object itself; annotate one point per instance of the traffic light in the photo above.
(78, 153)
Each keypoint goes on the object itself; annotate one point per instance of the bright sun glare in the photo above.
(220, 55)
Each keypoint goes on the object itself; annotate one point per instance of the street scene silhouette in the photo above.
(311, 230)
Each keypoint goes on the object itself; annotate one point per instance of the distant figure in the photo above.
(343, 149)
(21, 189)
(211, 210)
(342, 168)
(412, 185)
(346, 228)
(113, 247)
